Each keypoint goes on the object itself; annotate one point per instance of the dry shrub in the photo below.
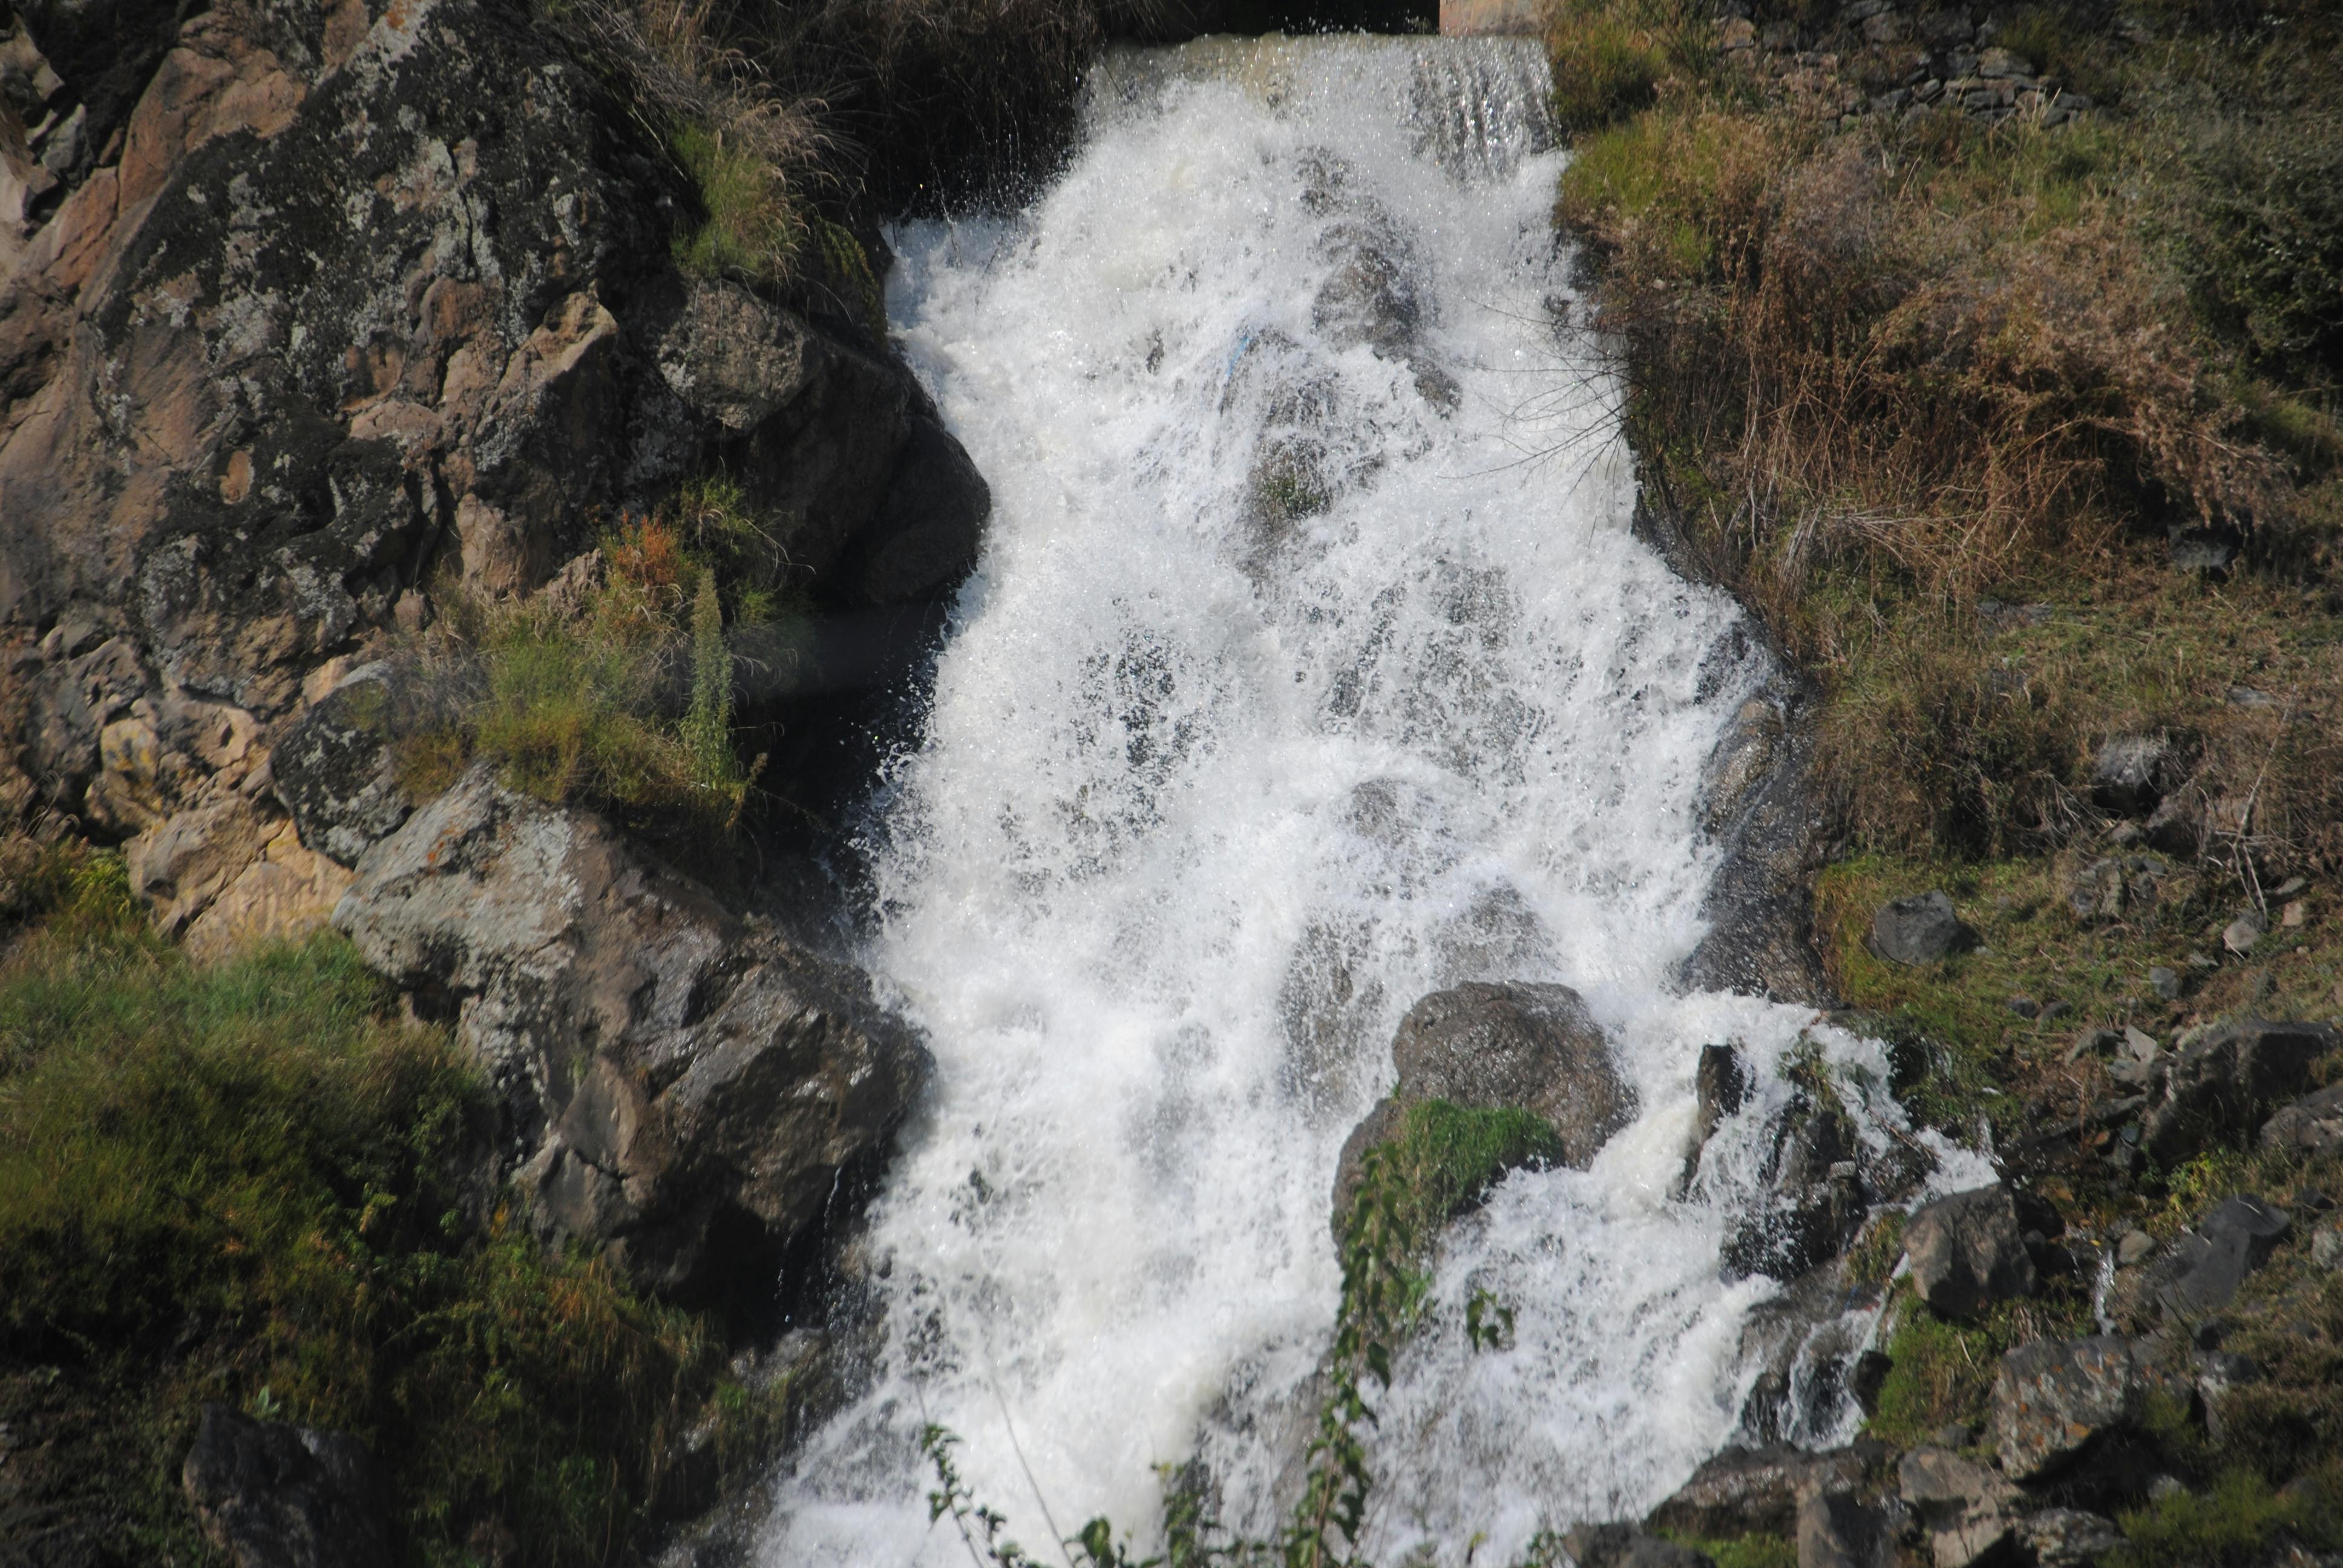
(1956, 388)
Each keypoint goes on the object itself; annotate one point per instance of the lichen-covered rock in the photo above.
(337, 296)
(2054, 1399)
(335, 771)
(664, 1069)
(273, 1495)
(1969, 1251)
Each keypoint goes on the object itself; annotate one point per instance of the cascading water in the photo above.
(1311, 668)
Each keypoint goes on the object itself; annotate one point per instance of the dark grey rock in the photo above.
(1720, 1085)
(1625, 1546)
(1759, 808)
(2054, 1399)
(1836, 1529)
(1752, 1490)
(2132, 772)
(1491, 1047)
(2204, 1269)
(2165, 983)
(1816, 1199)
(1968, 1251)
(1533, 1048)
(2228, 1081)
(664, 1069)
(272, 1496)
(1920, 929)
(2311, 1125)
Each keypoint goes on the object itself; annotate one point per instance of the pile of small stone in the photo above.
(1936, 60)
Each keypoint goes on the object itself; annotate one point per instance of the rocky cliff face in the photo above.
(305, 306)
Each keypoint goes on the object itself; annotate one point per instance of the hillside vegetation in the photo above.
(1992, 358)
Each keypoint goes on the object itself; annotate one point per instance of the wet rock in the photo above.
(1758, 807)
(1624, 1546)
(2068, 1537)
(1533, 1048)
(666, 1072)
(1964, 1508)
(1969, 1251)
(1816, 1197)
(273, 1495)
(1752, 1491)
(2228, 1081)
(2054, 1399)
(2132, 772)
(1920, 929)
(1720, 1087)
(2312, 1125)
(2205, 1268)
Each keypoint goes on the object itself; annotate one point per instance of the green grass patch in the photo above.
(1742, 1551)
(1943, 1372)
(1446, 1157)
(252, 1182)
(2233, 1523)
(752, 231)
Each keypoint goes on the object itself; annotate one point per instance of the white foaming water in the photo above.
(1311, 667)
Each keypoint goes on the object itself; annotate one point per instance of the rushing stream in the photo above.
(1311, 667)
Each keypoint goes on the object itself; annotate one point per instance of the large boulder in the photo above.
(273, 1495)
(2053, 1400)
(1491, 1047)
(343, 300)
(666, 1072)
(2227, 1080)
(1969, 1251)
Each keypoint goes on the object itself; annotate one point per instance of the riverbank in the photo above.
(1991, 358)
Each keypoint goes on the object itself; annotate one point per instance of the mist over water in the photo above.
(1311, 667)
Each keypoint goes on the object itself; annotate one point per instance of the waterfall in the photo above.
(1311, 667)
